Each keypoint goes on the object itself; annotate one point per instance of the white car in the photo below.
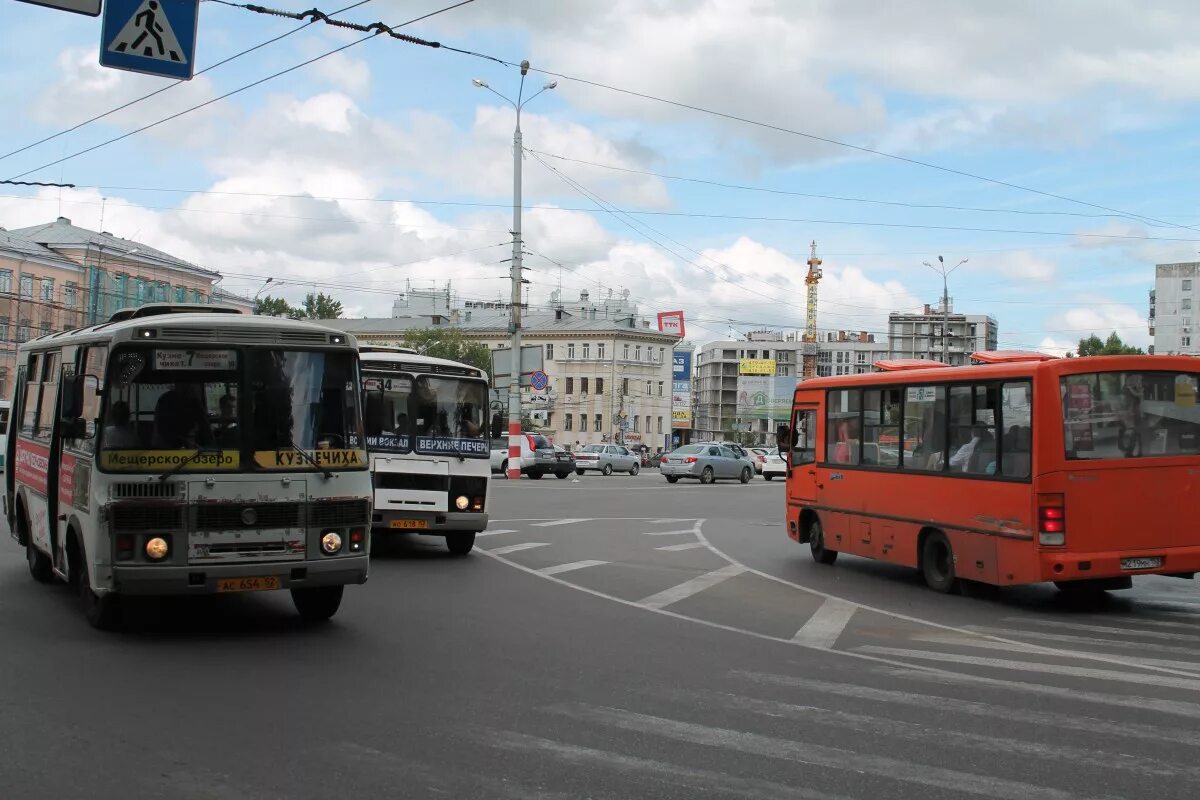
(774, 465)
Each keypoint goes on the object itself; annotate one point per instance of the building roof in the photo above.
(535, 322)
(61, 233)
(13, 241)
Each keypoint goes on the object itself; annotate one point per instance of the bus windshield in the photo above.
(427, 414)
(1118, 415)
(165, 404)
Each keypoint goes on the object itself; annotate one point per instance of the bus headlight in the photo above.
(461, 502)
(331, 542)
(157, 548)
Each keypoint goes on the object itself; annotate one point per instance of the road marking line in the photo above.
(1180, 708)
(1141, 647)
(512, 548)
(574, 565)
(1080, 627)
(665, 520)
(947, 739)
(668, 533)
(976, 708)
(1191, 684)
(1190, 667)
(954, 781)
(690, 587)
(490, 532)
(677, 547)
(826, 625)
(554, 522)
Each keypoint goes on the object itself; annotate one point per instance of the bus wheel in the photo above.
(816, 544)
(317, 604)
(39, 562)
(103, 612)
(459, 544)
(937, 563)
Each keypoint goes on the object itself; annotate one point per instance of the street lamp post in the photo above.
(945, 273)
(514, 383)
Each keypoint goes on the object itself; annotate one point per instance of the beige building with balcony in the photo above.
(58, 276)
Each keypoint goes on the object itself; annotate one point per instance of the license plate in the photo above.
(410, 524)
(247, 584)
(1150, 562)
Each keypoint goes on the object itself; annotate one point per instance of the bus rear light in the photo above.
(358, 539)
(1052, 520)
(124, 547)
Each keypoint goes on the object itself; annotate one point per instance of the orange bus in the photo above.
(1020, 469)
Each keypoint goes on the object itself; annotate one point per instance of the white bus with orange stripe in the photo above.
(189, 450)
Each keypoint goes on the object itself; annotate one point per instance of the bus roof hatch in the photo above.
(157, 309)
(379, 348)
(1008, 356)
(899, 364)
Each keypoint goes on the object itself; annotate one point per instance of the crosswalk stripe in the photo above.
(690, 587)
(513, 548)
(1192, 667)
(685, 546)
(491, 532)
(804, 752)
(1180, 708)
(826, 625)
(668, 533)
(1192, 684)
(555, 522)
(1081, 627)
(950, 738)
(976, 708)
(574, 565)
(1118, 644)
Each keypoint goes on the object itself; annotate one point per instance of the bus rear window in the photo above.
(1118, 415)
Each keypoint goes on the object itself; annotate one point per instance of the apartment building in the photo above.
(919, 335)
(1173, 309)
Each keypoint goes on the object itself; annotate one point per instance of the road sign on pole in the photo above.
(89, 7)
(539, 380)
(157, 37)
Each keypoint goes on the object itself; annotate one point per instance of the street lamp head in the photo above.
(550, 85)
(480, 84)
(941, 260)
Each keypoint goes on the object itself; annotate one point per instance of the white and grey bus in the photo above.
(188, 450)
(425, 421)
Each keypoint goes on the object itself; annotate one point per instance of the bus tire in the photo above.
(745, 477)
(816, 544)
(937, 563)
(459, 544)
(317, 604)
(102, 612)
(607, 470)
(39, 563)
(672, 478)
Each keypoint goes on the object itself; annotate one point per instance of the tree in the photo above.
(273, 307)
(319, 306)
(1112, 346)
(449, 343)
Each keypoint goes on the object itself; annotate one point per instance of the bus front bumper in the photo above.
(202, 578)
(1074, 566)
(435, 524)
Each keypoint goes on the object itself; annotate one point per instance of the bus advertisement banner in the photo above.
(33, 465)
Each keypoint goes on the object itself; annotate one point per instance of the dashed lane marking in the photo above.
(690, 587)
(491, 532)
(574, 565)
(675, 548)
(667, 533)
(513, 548)
(826, 625)
(554, 522)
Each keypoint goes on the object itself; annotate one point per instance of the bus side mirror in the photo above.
(72, 399)
(783, 438)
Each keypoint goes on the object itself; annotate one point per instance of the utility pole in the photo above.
(516, 276)
(945, 273)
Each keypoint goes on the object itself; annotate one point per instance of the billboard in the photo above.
(764, 397)
(756, 366)
(681, 390)
(671, 322)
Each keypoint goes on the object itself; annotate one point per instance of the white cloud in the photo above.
(342, 71)
(1102, 318)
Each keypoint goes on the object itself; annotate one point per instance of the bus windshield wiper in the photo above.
(308, 457)
(200, 451)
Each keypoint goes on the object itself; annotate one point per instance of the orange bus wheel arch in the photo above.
(807, 518)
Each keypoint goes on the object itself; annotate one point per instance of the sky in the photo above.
(1052, 145)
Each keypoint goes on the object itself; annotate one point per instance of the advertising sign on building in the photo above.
(671, 322)
(681, 391)
(764, 397)
(756, 366)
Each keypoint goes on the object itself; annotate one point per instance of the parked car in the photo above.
(774, 465)
(607, 459)
(706, 463)
(758, 456)
(561, 465)
(538, 456)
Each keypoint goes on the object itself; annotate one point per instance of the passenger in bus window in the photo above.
(177, 421)
(226, 431)
(981, 439)
(846, 449)
(119, 433)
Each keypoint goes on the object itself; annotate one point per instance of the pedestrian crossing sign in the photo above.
(157, 37)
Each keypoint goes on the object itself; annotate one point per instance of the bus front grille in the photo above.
(134, 517)
(420, 482)
(239, 516)
(338, 513)
(157, 490)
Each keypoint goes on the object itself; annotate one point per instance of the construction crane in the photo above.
(810, 321)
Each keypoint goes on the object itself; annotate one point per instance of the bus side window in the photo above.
(924, 428)
(33, 391)
(1016, 442)
(95, 361)
(48, 408)
(842, 426)
(804, 438)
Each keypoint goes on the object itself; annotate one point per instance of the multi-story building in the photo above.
(1173, 309)
(920, 335)
(610, 374)
(848, 352)
(59, 276)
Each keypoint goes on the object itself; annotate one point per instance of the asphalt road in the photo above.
(610, 638)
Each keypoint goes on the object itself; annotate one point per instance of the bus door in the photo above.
(802, 460)
(76, 440)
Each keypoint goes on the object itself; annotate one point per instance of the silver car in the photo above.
(706, 463)
(607, 459)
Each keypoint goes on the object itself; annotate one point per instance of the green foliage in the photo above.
(449, 343)
(320, 306)
(1112, 346)
(273, 307)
